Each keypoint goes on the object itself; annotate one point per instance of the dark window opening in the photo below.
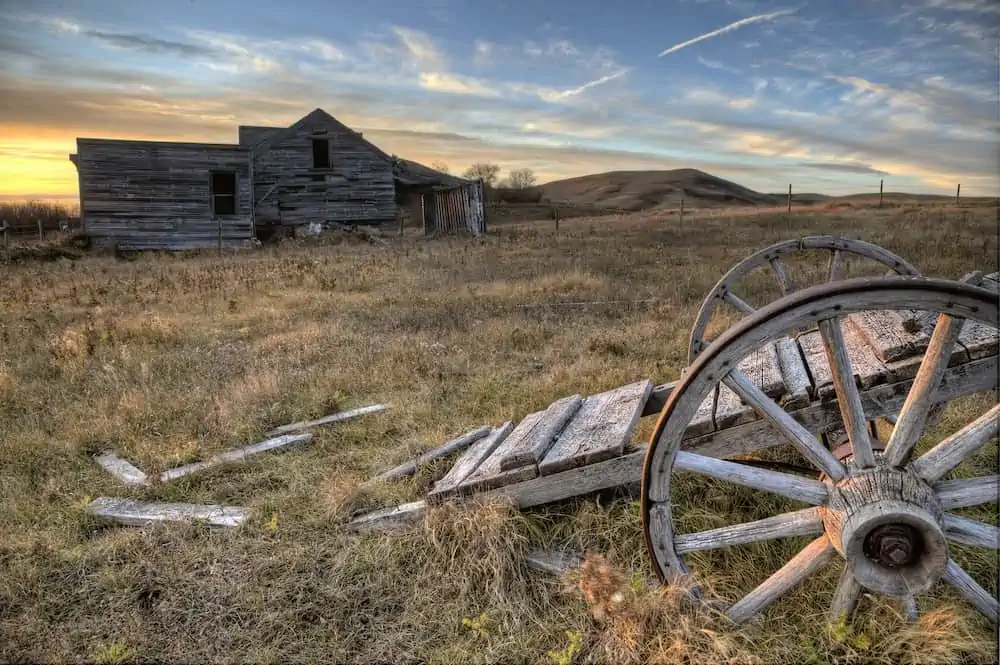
(224, 193)
(321, 153)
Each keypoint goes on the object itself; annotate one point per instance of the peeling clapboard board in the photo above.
(600, 429)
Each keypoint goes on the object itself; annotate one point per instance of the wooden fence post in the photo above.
(880, 183)
(6, 243)
(555, 213)
(681, 222)
(958, 193)
(789, 197)
(41, 234)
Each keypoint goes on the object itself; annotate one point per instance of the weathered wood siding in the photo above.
(357, 187)
(157, 195)
(252, 134)
(456, 210)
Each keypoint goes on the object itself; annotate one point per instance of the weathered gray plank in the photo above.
(704, 418)
(600, 430)
(554, 563)
(541, 433)
(121, 469)
(867, 368)
(410, 467)
(658, 399)
(238, 455)
(798, 386)
(326, 420)
(764, 370)
(893, 334)
(730, 409)
(979, 340)
(469, 462)
(489, 474)
(387, 519)
(992, 282)
(137, 513)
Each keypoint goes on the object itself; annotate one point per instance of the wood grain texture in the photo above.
(469, 462)
(764, 369)
(121, 469)
(553, 562)
(787, 485)
(137, 513)
(658, 399)
(156, 195)
(237, 455)
(848, 398)
(968, 492)
(953, 450)
(845, 596)
(388, 519)
(807, 522)
(971, 532)
(867, 368)
(541, 433)
(798, 385)
(730, 409)
(979, 597)
(822, 417)
(489, 474)
(814, 556)
(979, 340)
(410, 467)
(326, 420)
(893, 334)
(601, 428)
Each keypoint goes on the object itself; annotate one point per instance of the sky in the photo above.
(829, 96)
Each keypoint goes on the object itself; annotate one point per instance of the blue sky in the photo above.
(830, 96)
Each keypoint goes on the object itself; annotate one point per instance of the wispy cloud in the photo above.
(149, 44)
(729, 28)
(844, 167)
(591, 84)
(715, 64)
(455, 84)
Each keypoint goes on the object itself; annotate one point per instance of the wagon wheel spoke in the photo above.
(968, 492)
(909, 606)
(837, 267)
(806, 522)
(971, 532)
(913, 416)
(807, 490)
(782, 273)
(812, 557)
(952, 451)
(737, 302)
(803, 440)
(979, 597)
(846, 596)
(848, 397)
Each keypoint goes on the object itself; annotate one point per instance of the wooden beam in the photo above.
(409, 468)
(553, 562)
(137, 513)
(121, 469)
(326, 420)
(238, 455)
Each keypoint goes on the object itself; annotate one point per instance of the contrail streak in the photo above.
(729, 28)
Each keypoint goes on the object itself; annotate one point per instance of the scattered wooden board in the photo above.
(238, 455)
(540, 434)
(138, 513)
(409, 468)
(489, 474)
(469, 462)
(121, 469)
(552, 562)
(600, 430)
(388, 519)
(326, 420)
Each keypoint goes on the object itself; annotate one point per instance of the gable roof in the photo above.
(315, 115)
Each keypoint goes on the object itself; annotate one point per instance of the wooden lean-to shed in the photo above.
(164, 195)
(442, 202)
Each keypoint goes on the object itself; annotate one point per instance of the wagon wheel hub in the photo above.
(893, 545)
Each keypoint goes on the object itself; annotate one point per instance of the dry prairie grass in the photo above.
(169, 359)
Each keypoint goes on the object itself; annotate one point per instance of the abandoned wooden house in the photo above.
(173, 196)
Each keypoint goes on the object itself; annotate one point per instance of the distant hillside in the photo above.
(644, 190)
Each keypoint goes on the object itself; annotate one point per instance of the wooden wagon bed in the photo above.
(582, 444)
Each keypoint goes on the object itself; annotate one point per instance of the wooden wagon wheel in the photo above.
(837, 248)
(885, 515)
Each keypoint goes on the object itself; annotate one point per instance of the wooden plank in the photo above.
(410, 467)
(326, 420)
(238, 455)
(895, 335)
(137, 513)
(388, 519)
(764, 370)
(600, 430)
(992, 282)
(822, 417)
(798, 385)
(552, 562)
(979, 340)
(703, 420)
(121, 469)
(541, 433)
(489, 474)
(730, 409)
(658, 399)
(867, 368)
(469, 462)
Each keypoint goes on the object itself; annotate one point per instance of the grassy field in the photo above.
(168, 359)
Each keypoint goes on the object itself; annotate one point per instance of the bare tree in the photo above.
(489, 173)
(521, 178)
(441, 166)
